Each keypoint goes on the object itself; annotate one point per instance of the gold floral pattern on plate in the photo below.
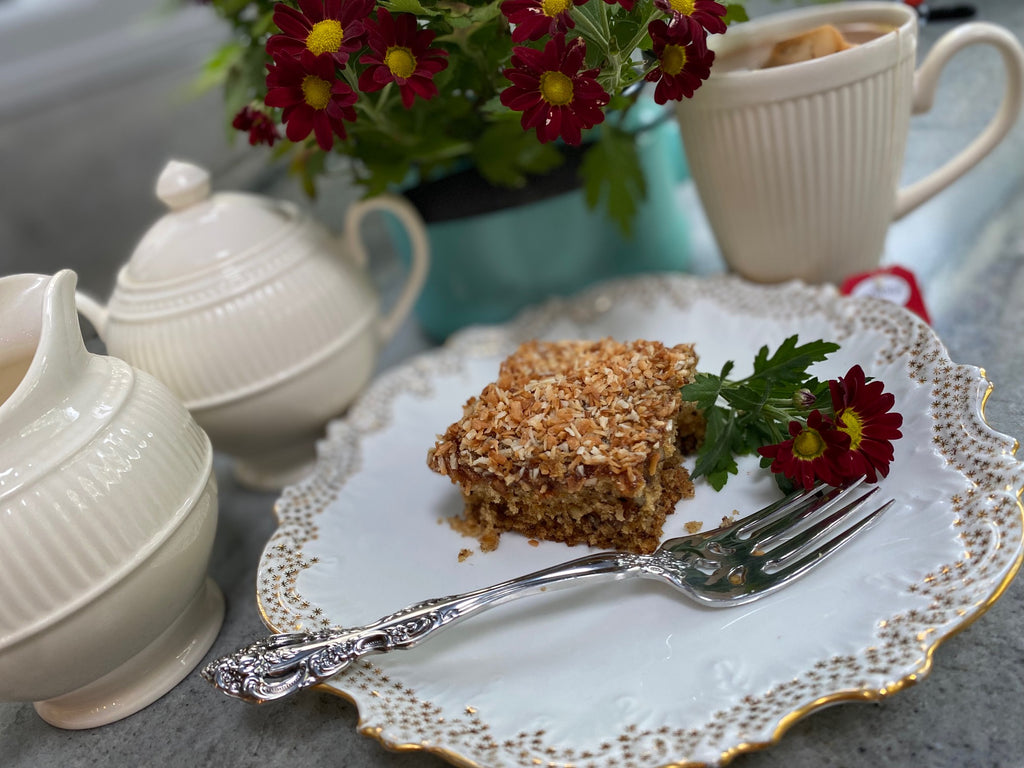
(627, 675)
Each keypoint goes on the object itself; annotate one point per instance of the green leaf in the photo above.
(735, 12)
(407, 6)
(742, 398)
(745, 415)
(231, 7)
(505, 154)
(704, 390)
(715, 458)
(611, 171)
(790, 362)
(384, 176)
(624, 30)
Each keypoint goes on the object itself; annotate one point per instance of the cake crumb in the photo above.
(693, 526)
(533, 543)
(463, 554)
(487, 537)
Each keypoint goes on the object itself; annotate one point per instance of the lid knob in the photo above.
(182, 184)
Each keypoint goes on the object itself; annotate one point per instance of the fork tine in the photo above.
(791, 570)
(787, 512)
(786, 532)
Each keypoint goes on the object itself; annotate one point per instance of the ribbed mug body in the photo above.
(798, 167)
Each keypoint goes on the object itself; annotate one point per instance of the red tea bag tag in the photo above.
(894, 284)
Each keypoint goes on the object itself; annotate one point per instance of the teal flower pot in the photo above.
(495, 252)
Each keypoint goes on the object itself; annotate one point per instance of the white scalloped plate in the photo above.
(631, 674)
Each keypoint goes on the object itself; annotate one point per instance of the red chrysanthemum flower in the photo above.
(311, 97)
(699, 16)
(682, 64)
(554, 96)
(533, 19)
(864, 412)
(401, 53)
(261, 128)
(332, 27)
(813, 453)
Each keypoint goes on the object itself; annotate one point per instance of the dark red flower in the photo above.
(311, 97)
(332, 27)
(533, 19)
(813, 453)
(699, 16)
(554, 96)
(261, 128)
(400, 52)
(863, 411)
(682, 64)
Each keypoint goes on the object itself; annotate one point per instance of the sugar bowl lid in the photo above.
(203, 231)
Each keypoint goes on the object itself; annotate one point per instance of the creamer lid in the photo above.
(201, 230)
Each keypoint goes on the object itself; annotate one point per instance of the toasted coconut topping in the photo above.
(563, 414)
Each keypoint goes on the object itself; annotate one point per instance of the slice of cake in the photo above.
(576, 441)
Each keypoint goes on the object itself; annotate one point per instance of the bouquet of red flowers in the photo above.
(420, 86)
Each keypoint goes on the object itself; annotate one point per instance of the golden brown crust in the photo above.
(562, 415)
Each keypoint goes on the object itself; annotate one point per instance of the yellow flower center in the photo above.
(556, 89)
(316, 91)
(685, 7)
(552, 8)
(400, 61)
(808, 445)
(673, 59)
(849, 422)
(325, 37)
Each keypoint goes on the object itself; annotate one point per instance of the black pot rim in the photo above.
(466, 193)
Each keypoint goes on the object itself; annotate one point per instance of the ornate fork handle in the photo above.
(282, 664)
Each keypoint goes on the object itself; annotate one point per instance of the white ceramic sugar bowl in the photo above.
(259, 319)
(108, 509)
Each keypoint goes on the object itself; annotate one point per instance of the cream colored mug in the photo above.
(798, 166)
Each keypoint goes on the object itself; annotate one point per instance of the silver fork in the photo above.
(727, 566)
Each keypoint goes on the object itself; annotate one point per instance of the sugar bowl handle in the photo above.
(410, 220)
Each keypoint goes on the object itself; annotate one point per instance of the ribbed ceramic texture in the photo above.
(802, 187)
(267, 318)
(81, 506)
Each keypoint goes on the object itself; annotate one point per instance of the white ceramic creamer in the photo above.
(259, 319)
(108, 509)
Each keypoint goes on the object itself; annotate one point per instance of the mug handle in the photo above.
(925, 81)
(410, 220)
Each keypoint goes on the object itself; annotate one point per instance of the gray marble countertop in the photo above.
(967, 248)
